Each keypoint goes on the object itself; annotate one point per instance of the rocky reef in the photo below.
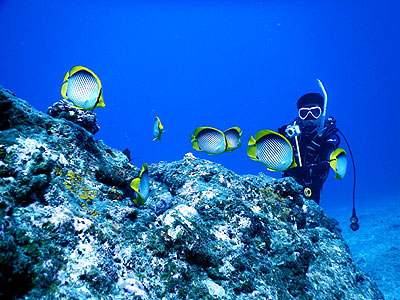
(84, 118)
(69, 231)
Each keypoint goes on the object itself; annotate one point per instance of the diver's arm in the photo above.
(330, 144)
(282, 129)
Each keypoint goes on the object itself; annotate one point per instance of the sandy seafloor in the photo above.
(375, 247)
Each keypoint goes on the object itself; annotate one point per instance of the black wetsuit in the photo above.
(314, 153)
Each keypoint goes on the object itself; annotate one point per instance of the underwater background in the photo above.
(222, 64)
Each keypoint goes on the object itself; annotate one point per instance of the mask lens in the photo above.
(316, 112)
(303, 112)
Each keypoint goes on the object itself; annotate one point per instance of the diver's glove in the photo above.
(330, 127)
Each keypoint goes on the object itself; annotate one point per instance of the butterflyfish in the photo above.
(157, 129)
(141, 185)
(271, 149)
(209, 140)
(338, 162)
(233, 136)
(83, 88)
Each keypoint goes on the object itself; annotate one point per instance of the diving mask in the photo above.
(315, 112)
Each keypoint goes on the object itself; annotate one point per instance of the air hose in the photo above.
(354, 220)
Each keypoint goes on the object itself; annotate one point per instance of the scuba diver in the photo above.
(313, 140)
(306, 149)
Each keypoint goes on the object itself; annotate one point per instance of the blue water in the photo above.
(219, 64)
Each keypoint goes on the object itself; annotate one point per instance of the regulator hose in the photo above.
(354, 220)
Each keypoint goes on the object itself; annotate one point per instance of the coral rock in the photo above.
(68, 232)
(65, 110)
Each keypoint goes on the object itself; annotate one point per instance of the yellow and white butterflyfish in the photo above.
(141, 186)
(157, 129)
(272, 150)
(209, 140)
(338, 162)
(233, 136)
(83, 88)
